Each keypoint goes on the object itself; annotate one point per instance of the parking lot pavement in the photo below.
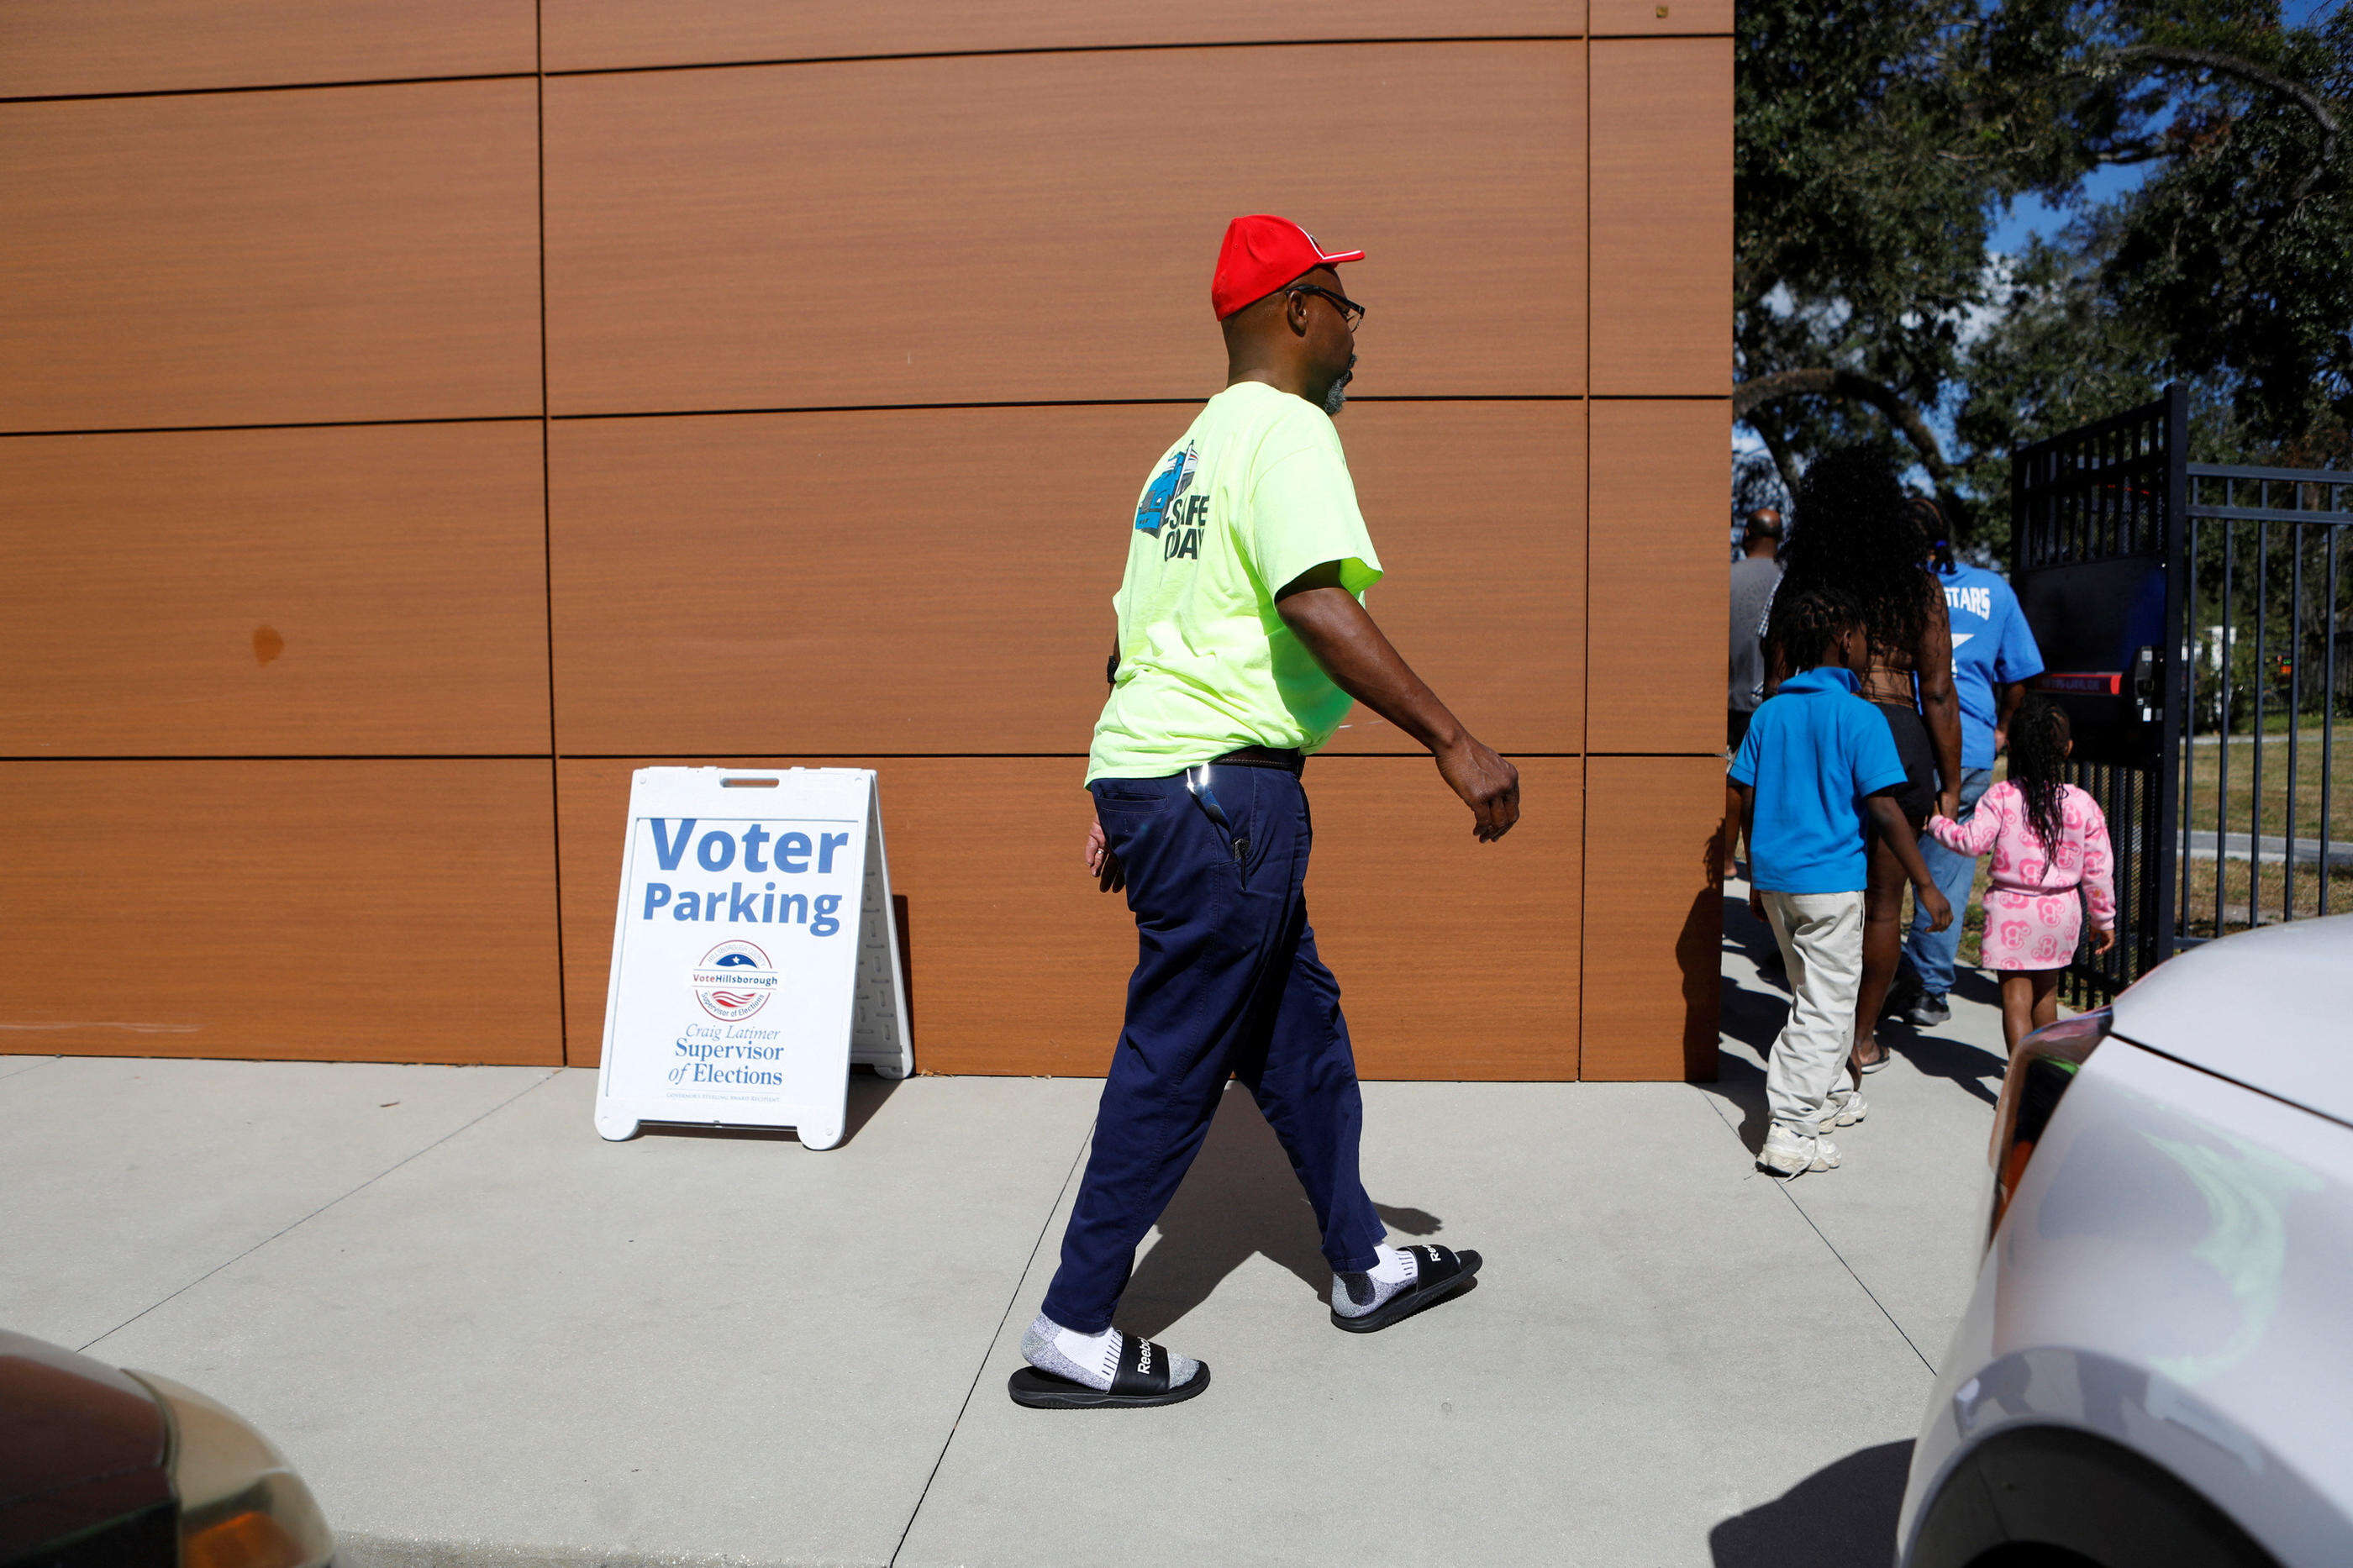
(1627, 1374)
(124, 1181)
(1906, 1211)
(489, 1338)
(730, 1347)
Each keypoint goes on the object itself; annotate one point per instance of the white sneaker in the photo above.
(1846, 1108)
(1787, 1153)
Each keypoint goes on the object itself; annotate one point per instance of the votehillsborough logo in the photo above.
(1173, 480)
(734, 980)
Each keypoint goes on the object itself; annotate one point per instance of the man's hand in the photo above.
(1340, 637)
(2103, 937)
(1757, 903)
(1488, 785)
(1101, 864)
(1940, 913)
(1949, 804)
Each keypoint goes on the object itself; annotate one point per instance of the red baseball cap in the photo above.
(1262, 253)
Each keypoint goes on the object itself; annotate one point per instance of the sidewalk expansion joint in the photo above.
(1715, 1105)
(981, 1371)
(322, 1208)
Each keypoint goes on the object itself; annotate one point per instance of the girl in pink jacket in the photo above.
(2049, 841)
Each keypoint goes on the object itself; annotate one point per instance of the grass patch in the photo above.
(2238, 810)
(2274, 892)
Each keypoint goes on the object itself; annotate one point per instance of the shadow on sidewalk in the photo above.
(867, 1093)
(1752, 1018)
(1843, 1516)
(1240, 1198)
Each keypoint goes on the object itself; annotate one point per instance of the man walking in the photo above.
(1993, 658)
(1754, 577)
(1242, 638)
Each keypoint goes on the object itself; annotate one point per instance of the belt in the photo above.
(1289, 760)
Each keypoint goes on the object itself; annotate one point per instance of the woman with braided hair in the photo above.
(1859, 533)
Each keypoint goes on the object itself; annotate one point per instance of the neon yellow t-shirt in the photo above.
(1257, 493)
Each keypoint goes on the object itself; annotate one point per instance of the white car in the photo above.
(2156, 1367)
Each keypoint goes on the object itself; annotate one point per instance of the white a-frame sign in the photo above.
(755, 956)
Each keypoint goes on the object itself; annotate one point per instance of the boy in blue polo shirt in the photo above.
(1816, 760)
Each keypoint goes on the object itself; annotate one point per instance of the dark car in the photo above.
(103, 1469)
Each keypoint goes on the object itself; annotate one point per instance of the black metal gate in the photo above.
(2096, 525)
(2196, 620)
(2266, 792)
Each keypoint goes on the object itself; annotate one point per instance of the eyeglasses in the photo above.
(1350, 311)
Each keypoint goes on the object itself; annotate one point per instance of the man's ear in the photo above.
(1294, 314)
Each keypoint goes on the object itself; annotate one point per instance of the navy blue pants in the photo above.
(1226, 984)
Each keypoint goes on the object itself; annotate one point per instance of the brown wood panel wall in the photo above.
(1042, 227)
(270, 257)
(1458, 959)
(1653, 18)
(348, 590)
(395, 909)
(940, 580)
(605, 33)
(55, 46)
(1656, 666)
(1653, 901)
(1478, 511)
(296, 336)
(1662, 263)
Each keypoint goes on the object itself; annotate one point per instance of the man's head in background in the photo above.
(1762, 537)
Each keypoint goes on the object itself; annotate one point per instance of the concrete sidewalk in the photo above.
(488, 1337)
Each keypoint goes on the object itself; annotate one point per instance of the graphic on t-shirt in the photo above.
(1175, 478)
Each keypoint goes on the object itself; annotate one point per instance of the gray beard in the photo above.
(1337, 397)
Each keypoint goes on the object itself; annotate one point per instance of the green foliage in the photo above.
(1860, 220)
(1877, 138)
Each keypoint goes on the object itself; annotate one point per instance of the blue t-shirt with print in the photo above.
(1992, 647)
(1813, 752)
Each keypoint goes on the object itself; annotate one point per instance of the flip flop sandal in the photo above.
(1142, 1379)
(1886, 1056)
(1439, 1272)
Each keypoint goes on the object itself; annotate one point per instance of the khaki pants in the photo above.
(1822, 947)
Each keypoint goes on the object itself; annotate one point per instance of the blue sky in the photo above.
(2032, 215)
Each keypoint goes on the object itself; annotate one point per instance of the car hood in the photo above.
(2272, 1009)
(80, 1444)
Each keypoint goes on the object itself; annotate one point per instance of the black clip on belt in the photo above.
(1196, 782)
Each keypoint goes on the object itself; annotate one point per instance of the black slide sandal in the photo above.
(1439, 1273)
(1142, 1380)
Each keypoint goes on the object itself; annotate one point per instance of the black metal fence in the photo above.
(2096, 520)
(2197, 622)
(2266, 787)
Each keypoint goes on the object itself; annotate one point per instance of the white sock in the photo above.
(1354, 1295)
(1091, 1359)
